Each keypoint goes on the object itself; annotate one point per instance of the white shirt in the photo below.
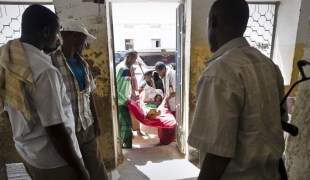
(172, 89)
(237, 112)
(49, 105)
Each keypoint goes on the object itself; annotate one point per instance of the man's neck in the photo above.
(128, 65)
(67, 51)
(32, 41)
(226, 38)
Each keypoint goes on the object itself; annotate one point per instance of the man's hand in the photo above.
(82, 174)
(62, 142)
(126, 103)
(213, 167)
(97, 128)
(134, 97)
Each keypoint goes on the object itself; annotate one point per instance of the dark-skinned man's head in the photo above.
(75, 35)
(40, 25)
(227, 20)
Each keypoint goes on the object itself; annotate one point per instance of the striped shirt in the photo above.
(79, 99)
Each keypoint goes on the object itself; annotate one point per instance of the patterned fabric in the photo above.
(123, 82)
(14, 72)
(79, 99)
(125, 125)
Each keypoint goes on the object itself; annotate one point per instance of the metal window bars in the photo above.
(10, 21)
(261, 27)
(259, 32)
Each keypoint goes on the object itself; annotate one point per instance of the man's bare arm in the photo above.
(63, 144)
(213, 167)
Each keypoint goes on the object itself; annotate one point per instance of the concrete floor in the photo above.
(156, 163)
(143, 162)
(17, 172)
(149, 140)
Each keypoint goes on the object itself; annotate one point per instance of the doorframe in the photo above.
(187, 68)
(186, 62)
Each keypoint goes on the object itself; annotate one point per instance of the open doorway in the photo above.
(179, 49)
(150, 29)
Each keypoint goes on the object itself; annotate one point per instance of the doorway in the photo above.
(180, 47)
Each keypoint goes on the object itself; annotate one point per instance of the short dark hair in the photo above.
(160, 65)
(149, 73)
(130, 52)
(235, 13)
(36, 17)
(157, 96)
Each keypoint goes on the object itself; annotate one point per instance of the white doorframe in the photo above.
(145, 1)
(186, 80)
(116, 135)
(187, 65)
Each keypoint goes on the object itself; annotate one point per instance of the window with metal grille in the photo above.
(261, 27)
(10, 21)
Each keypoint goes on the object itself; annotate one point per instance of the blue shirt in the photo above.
(78, 71)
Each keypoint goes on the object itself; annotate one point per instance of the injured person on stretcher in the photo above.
(151, 110)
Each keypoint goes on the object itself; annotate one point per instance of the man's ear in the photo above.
(212, 20)
(46, 31)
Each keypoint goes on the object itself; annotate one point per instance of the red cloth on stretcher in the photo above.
(165, 123)
(165, 120)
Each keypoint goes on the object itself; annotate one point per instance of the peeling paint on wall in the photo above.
(199, 54)
(98, 58)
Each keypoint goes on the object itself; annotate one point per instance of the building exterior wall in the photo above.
(142, 36)
(285, 37)
(143, 22)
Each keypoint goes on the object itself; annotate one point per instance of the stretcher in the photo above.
(165, 123)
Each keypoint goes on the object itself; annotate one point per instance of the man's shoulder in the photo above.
(234, 59)
(40, 65)
(122, 67)
(56, 55)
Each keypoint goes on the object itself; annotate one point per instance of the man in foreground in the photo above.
(34, 95)
(237, 123)
(79, 83)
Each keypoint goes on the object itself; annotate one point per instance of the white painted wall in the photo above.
(27, 1)
(141, 16)
(285, 39)
(303, 22)
(297, 150)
